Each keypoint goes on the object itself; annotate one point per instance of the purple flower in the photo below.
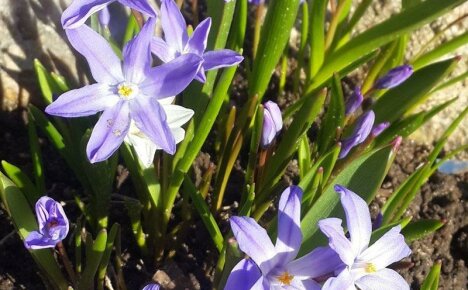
(53, 225)
(177, 41)
(394, 77)
(273, 266)
(361, 131)
(379, 128)
(354, 101)
(80, 10)
(128, 91)
(152, 286)
(364, 265)
(272, 123)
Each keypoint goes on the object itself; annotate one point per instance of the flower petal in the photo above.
(221, 58)
(390, 248)
(171, 78)
(36, 240)
(357, 218)
(84, 101)
(105, 66)
(163, 51)
(332, 228)
(151, 287)
(144, 147)
(151, 119)
(79, 11)
(289, 237)
(109, 132)
(268, 129)
(343, 281)
(243, 276)
(254, 241)
(385, 279)
(319, 262)
(303, 285)
(42, 211)
(137, 54)
(197, 42)
(174, 25)
(139, 5)
(276, 115)
(177, 115)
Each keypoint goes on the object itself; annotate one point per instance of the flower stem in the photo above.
(66, 262)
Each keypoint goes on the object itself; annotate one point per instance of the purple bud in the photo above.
(152, 286)
(272, 123)
(53, 225)
(394, 77)
(104, 16)
(379, 128)
(354, 101)
(361, 132)
(377, 223)
(256, 2)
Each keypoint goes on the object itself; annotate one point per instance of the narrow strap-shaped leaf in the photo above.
(432, 280)
(23, 182)
(441, 50)
(204, 211)
(421, 228)
(94, 253)
(334, 117)
(317, 35)
(279, 20)
(36, 157)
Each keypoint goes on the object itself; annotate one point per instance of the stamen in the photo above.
(370, 268)
(285, 278)
(127, 91)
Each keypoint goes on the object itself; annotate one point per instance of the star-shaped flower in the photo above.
(125, 92)
(273, 266)
(365, 266)
(177, 41)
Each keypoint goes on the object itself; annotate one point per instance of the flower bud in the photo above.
(379, 128)
(354, 101)
(394, 77)
(272, 123)
(361, 132)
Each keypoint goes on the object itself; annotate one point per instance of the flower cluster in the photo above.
(135, 97)
(346, 263)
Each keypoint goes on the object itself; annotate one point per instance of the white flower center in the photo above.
(127, 91)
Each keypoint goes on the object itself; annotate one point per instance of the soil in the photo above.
(442, 197)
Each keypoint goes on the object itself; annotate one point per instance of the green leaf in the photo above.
(36, 156)
(421, 228)
(378, 233)
(410, 124)
(432, 280)
(47, 83)
(334, 117)
(318, 9)
(114, 234)
(279, 20)
(23, 182)
(441, 50)
(383, 33)
(205, 214)
(303, 156)
(94, 253)
(396, 102)
(363, 176)
(25, 222)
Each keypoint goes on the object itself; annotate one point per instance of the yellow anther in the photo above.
(285, 278)
(125, 91)
(370, 268)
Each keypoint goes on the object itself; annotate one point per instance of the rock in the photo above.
(29, 30)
